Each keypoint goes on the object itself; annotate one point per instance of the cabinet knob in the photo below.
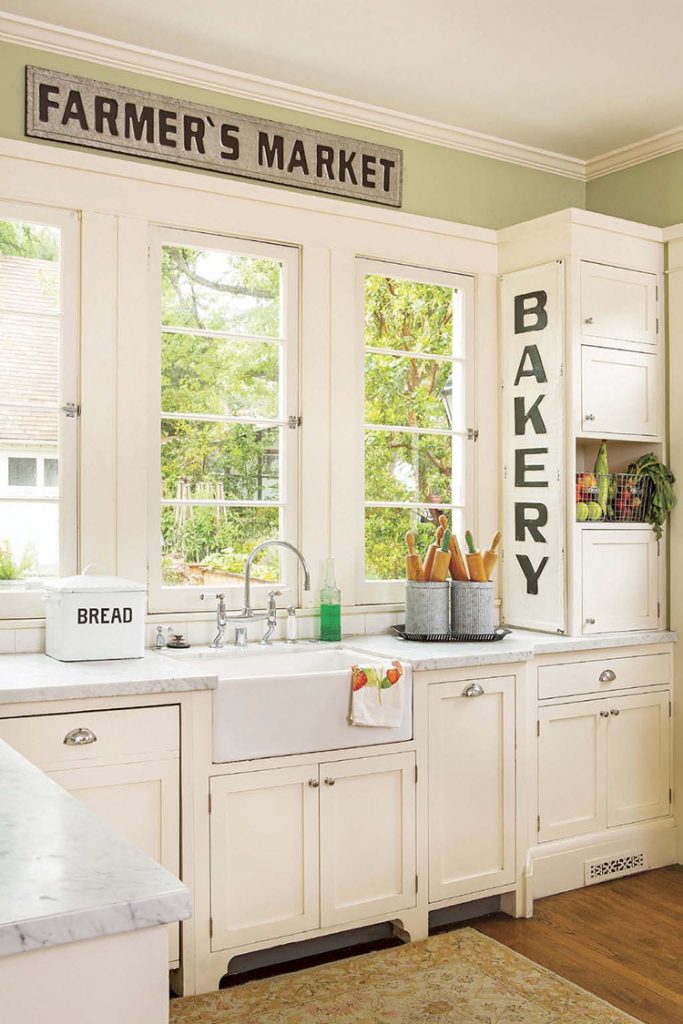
(590, 622)
(589, 416)
(604, 714)
(80, 737)
(329, 782)
(608, 676)
(614, 711)
(473, 690)
(588, 320)
(314, 783)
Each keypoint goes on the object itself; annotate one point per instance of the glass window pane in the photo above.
(403, 392)
(51, 473)
(409, 315)
(223, 377)
(219, 461)
(203, 546)
(29, 268)
(220, 291)
(408, 467)
(29, 357)
(22, 472)
(385, 531)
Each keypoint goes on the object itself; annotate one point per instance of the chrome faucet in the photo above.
(247, 614)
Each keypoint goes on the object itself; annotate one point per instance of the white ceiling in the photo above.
(580, 77)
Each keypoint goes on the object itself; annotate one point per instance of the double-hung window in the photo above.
(38, 402)
(225, 392)
(418, 376)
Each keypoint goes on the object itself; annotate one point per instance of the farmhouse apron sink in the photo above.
(290, 701)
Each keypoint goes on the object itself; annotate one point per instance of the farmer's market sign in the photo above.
(68, 108)
(532, 303)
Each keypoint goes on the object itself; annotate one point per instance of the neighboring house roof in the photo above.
(29, 351)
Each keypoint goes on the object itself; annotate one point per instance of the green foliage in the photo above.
(662, 499)
(29, 241)
(11, 570)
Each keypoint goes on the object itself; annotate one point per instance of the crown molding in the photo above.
(84, 46)
(636, 153)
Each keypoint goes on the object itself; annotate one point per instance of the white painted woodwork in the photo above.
(618, 305)
(264, 855)
(638, 758)
(571, 769)
(114, 979)
(471, 787)
(130, 734)
(620, 585)
(139, 801)
(619, 392)
(367, 837)
(577, 677)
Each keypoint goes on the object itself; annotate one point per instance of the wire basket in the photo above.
(612, 498)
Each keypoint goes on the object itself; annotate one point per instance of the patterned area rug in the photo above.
(459, 977)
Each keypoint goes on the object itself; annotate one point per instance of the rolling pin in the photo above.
(458, 565)
(490, 556)
(442, 559)
(413, 560)
(475, 562)
(431, 554)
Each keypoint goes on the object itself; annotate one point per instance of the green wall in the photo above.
(437, 182)
(651, 193)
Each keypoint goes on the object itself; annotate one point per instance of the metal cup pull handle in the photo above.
(473, 690)
(80, 737)
(608, 676)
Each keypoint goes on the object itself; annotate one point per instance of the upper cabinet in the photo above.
(619, 392)
(619, 305)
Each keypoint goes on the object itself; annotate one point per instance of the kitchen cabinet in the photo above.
(471, 786)
(619, 578)
(295, 849)
(618, 305)
(123, 765)
(264, 854)
(602, 763)
(619, 392)
(367, 837)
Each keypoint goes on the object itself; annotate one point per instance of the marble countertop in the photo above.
(35, 677)
(520, 645)
(64, 874)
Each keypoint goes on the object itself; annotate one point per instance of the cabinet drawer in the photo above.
(596, 676)
(130, 734)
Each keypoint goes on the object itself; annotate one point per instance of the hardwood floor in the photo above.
(621, 940)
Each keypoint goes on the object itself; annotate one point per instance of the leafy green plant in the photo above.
(662, 498)
(11, 570)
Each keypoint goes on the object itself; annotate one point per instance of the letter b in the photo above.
(537, 310)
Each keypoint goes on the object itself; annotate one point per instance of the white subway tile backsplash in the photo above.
(353, 623)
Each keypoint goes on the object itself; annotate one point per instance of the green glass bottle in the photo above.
(330, 606)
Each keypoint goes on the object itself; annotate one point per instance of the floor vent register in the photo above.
(614, 867)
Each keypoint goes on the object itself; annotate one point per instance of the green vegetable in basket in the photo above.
(661, 498)
(602, 477)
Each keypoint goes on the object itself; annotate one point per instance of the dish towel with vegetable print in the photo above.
(377, 695)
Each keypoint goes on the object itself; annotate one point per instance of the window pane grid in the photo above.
(198, 332)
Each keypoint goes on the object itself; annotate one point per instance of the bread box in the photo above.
(94, 618)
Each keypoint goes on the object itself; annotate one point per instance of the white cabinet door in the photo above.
(264, 854)
(638, 758)
(367, 837)
(471, 786)
(139, 801)
(619, 392)
(618, 305)
(619, 579)
(572, 770)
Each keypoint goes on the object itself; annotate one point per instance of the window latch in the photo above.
(71, 410)
(472, 434)
(294, 422)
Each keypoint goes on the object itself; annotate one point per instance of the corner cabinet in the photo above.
(312, 846)
(620, 579)
(471, 786)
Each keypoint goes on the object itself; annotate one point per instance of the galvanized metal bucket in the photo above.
(426, 607)
(472, 608)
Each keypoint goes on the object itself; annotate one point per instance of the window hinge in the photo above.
(71, 410)
(538, 823)
(538, 728)
(294, 422)
(472, 434)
